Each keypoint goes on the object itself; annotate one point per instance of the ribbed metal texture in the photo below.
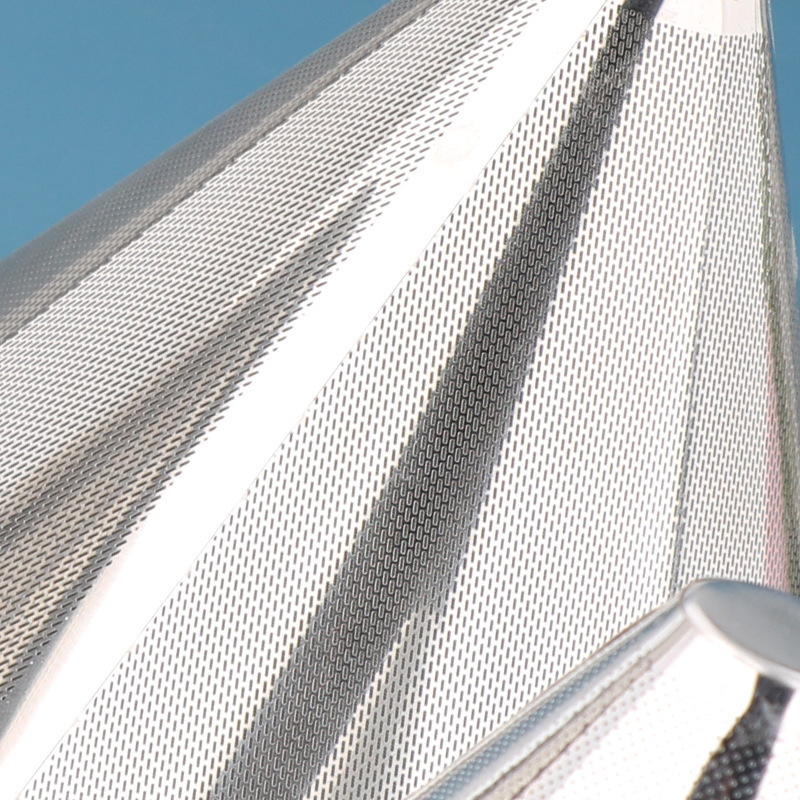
(581, 396)
(110, 388)
(697, 702)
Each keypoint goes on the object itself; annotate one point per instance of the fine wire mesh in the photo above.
(655, 367)
(665, 710)
(628, 746)
(546, 728)
(39, 273)
(354, 430)
(110, 388)
(748, 414)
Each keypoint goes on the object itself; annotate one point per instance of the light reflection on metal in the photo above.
(696, 701)
(460, 348)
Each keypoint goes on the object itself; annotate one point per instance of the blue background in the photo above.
(92, 89)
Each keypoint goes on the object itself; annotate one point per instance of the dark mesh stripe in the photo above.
(736, 770)
(408, 553)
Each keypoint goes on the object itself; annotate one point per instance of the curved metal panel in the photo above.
(39, 273)
(459, 367)
(697, 701)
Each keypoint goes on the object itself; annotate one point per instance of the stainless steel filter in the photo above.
(337, 435)
(696, 701)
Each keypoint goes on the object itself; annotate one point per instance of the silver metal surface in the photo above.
(443, 363)
(760, 625)
(696, 701)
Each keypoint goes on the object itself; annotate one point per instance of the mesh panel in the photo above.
(52, 264)
(744, 417)
(110, 389)
(389, 591)
(637, 747)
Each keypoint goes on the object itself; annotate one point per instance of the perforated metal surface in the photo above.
(145, 352)
(580, 397)
(696, 701)
(54, 263)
